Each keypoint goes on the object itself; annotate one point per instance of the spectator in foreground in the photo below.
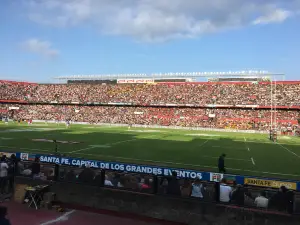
(3, 213)
(186, 188)
(107, 182)
(198, 189)
(238, 195)
(261, 201)
(225, 191)
(36, 168)
(3, 174)
(173, 185)
(221, 164)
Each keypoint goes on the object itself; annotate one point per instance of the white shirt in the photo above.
(197, 191)
(108, 183)
(3, 169)
(225, 193)
(261, 202)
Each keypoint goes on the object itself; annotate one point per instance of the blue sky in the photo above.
(40, 39)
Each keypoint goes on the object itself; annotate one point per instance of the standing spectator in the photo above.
(3, 174)
(186, 188)
(36, 168)
(221, 164)
(238, 195)
(261, 201)
(225, 191)
(198, 189)
(3, 213)
(173, 185)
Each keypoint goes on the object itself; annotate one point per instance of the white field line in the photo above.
(227, 147)
(60, 219)
(264, 142)
(114, 143)
(83, 149)
(288, 150)
(252, 161)
(203, 143)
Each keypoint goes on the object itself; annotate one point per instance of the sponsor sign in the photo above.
(138, 113)
(135, 81)
(270, 183)
(155, 170)
(211, 115)
(217, 177)
(13, 107)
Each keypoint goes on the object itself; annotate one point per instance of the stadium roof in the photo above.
(248, 73)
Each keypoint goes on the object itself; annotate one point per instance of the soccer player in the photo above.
(6, 120)
(221, 163)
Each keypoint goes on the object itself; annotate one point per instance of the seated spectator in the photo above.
(87, 175)
(198, 189)
(225, 191)
(70, 176)
(146, 184)
(3, 213)
(163, 186)
(186, 188)
(122, 182)
(261, 201)
(107, 182)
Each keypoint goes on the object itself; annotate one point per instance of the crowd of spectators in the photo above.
(284, 94)
(245, 119)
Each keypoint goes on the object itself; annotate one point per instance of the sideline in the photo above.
(64, 217)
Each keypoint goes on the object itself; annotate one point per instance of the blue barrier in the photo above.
(161, 171)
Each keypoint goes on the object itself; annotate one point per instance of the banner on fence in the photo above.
(123, 167)
(270, 183)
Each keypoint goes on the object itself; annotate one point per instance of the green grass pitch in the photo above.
(247, 154)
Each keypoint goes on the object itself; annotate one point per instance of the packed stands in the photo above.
(232, 105)
(217, 93)
(165, 116)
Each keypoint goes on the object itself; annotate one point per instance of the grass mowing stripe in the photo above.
(33, 149)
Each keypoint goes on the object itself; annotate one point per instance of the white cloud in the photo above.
(276, 16)
(159, 20)
(40, 47)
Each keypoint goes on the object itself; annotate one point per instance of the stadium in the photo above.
(172, 120)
